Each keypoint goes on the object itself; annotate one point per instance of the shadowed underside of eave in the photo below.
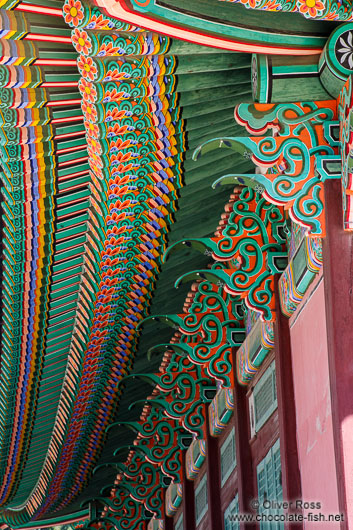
(199, 210)
(208, 86)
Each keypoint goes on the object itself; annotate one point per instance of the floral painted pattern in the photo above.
(119, 144)
(89, 111)
(114, 95)
(273, 5)
(88, 90)
(94, 158)
(310, 8)
(115, 114)
(87, 68)
(250, 4)
(320, 9)
(109, 49)
(344, 50)
(81, 41)
(91, 129)
(73, 12)
(333, 15)
(94, 145)
(99, 23)
(116, 130)
(115, 75)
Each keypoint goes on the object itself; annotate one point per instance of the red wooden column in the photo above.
(338, 281)
(213, 480)
(188, 501)
(291, 483)
(246, 492)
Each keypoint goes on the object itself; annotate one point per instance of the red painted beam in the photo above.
(43, 10)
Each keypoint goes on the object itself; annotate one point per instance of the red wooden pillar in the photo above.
(188, 501)
(213, 481)
(338, 282)
(246, 491)
(291, 483)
